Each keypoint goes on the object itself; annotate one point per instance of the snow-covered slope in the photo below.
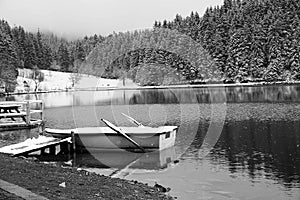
(54, 80)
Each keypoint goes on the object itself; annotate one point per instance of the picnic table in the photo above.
(20, 114)
(11, 111)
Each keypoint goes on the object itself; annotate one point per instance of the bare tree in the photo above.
(75, 75)
(37, 77)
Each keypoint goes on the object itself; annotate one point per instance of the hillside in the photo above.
(240, 41)
(62, 81)
(152, 57)
(45, 51)
(249, 40)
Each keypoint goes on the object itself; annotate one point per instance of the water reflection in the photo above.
(269, 149)
(284, 93)
(263, 150)
(121, 160)
(258, 151)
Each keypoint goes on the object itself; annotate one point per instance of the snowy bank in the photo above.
(61, 81)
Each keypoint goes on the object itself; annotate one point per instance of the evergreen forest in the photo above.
(22, 49)
(249, 40)
(239, 41)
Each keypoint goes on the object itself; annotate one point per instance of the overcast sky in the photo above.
(77, 18)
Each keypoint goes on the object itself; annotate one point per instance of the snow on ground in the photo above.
(61, 81)
(29, 144)
(56, 81)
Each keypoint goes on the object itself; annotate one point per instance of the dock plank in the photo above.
(33, 145)
(13, 124)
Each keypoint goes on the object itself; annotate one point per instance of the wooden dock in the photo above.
(18, 115)
(43, 144)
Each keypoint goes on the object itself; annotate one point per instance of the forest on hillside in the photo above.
(239, 41)
(152, 57)
(22, 49)
(246, 41)
(249, 40)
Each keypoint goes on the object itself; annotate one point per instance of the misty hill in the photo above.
(22, 49)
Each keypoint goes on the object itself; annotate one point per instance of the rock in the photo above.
(63, 184)
(161, 188)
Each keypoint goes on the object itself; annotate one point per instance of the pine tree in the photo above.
(239, 61)
(8, 63)
(47, 57)
(165, 24)
(30, 53)
(95, 40)
(5, 28)
(39, 51)
(63, 58)
(79, 52)
(18, 34)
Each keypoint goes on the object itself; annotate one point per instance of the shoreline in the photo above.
(54, 181)
(217, 85)
(184, 86)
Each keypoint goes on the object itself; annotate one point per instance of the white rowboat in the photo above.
(108, 138)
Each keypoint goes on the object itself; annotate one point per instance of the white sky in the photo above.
(77, 18)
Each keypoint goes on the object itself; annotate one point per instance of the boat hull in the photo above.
(95, 138)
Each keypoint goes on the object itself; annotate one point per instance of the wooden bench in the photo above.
(11, 111)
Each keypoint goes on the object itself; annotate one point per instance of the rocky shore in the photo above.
(56, 182)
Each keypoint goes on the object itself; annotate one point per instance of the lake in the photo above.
(232, 143)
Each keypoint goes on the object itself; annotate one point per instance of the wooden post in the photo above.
(52, 150)
(43, 151)
(42, 113)
(41, 128)
(27, 113)
(63, 148)
(68, 150)
(73, 148)
(73, 141)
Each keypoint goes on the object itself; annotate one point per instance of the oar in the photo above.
(121, 132)
(133, 120)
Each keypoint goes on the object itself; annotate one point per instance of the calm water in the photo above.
(233, 143)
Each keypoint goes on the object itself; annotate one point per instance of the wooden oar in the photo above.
(133, 120)
(121, 132)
